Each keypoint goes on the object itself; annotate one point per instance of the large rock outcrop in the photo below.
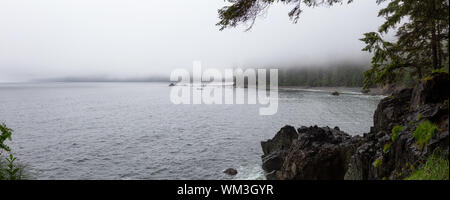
(314, 154)
(276, 149)
(325, 153)
(381, 156)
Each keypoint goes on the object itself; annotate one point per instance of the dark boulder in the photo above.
(230, 171)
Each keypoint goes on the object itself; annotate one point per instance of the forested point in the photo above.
(337, 76)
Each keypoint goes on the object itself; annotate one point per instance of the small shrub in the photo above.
(12, 171)
(8, 169)
(5, 135)
(386, 147)
(424, 132)
(377, 162)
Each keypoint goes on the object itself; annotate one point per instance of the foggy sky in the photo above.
(42, 39)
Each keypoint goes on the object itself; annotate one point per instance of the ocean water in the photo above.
(133, 131)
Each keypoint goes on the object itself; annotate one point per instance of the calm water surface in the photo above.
(133, 131)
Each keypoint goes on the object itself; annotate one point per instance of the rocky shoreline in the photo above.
(343, 90)
(389, 151)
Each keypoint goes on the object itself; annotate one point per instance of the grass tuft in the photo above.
(378, 162)
(396, 132)
(386, 147)
(435, 168)
(419, 117)
(424, 132)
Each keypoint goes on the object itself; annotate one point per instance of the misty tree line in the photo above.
(338, 76)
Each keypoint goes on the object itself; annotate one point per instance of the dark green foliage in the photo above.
(338, 76)
(12, 171)
(5, 135)
(8, 169)
(421, 42)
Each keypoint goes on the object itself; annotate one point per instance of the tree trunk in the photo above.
(434, 45)
(419, 72)
(434, 38)
(439, 48)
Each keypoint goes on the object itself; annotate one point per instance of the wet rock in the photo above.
(282, 140)
(391, 111)
(171, 84)
(272, 175)
(365, 91)
(273, 161)
(318, 153)
(430, 91)
(403, 108)
(325, 153)
(275, 149)
(230, 171)
(335, 93)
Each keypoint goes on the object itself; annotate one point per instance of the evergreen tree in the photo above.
(420, 47)
(420, 41)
